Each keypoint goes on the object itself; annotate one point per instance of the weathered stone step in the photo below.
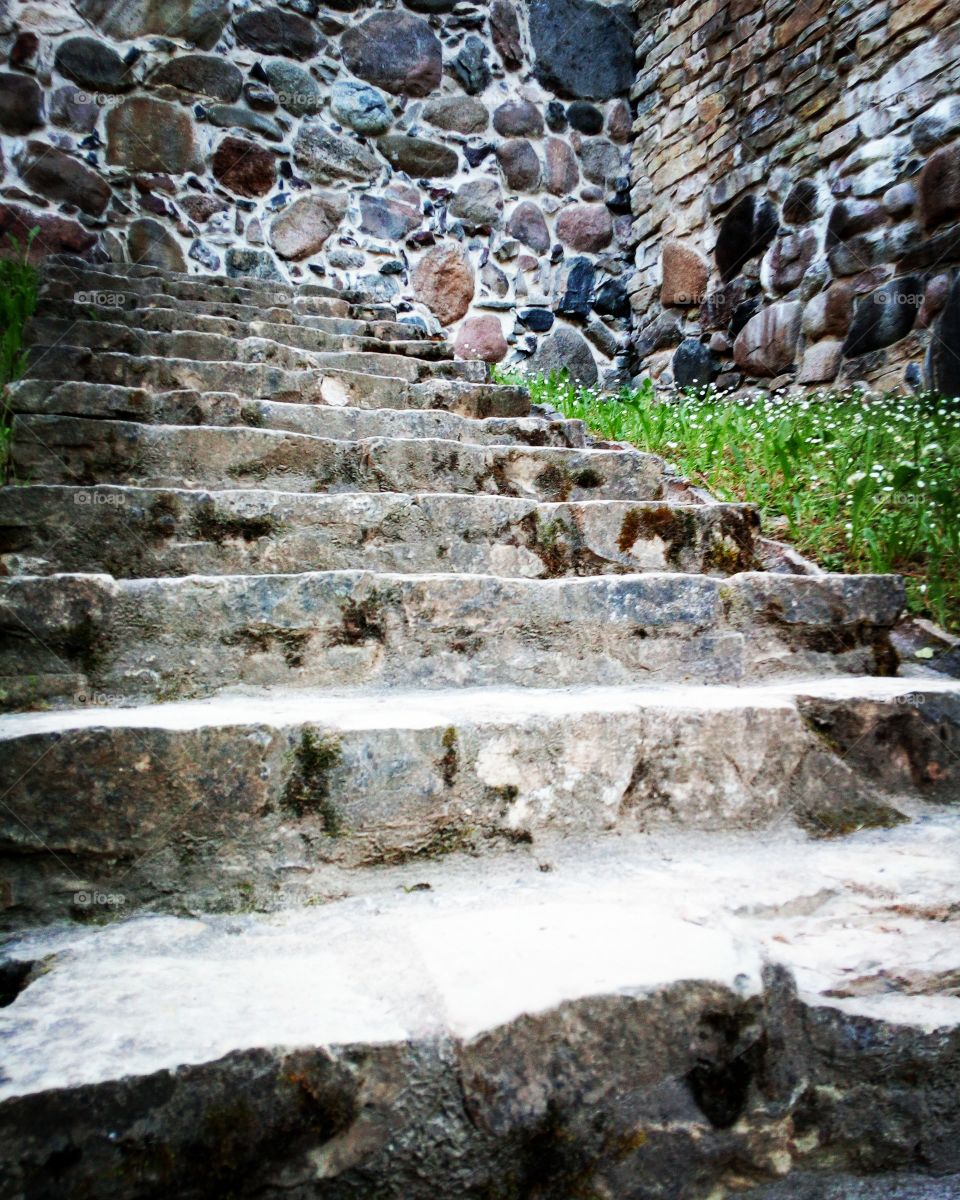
(110, 402)
(251, 322)
(76, 450)
(137, 532)
(161, 331)
(630, 1010)
(114, 302)
(82, 273)
(335, 386)
(140, 640)
(365, 779)
(68, 361)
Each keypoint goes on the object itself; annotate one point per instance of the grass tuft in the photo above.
(866, 483)
(19, 285)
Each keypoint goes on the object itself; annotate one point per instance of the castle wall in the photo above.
(467, 161)
(796, 191)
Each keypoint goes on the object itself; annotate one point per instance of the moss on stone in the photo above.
(308, 789)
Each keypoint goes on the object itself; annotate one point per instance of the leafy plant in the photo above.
(19, 284)
(858, 482)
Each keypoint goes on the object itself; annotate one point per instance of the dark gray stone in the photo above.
(59, 176)
(199, 22)
(944, 352)
(235, 116)
(660, 333)
(578, 279)
(885, 316)
(693, 364)
(71, 108)
(201, 75)
(253, 264)
(325, 156)
(153, 245)
(566, 350)
(583, 50)
(556, 117)
(94, 65)
(601, 161)
(471, 67)
(612, 299)
(746, 231)
(296, 90)
(586, 118)
(539, 320)
(478, 205)
(395, 51)
(21, 104)
(419, 157)
(276, 31)
(802, 203)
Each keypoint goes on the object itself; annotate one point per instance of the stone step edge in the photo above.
(371, 709)
(417, 350)
(59, 266)
(70, 491)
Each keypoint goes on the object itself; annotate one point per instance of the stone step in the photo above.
(136, 532)
(64, 361)
(83, 273)
(254, 292)
(112, 302)
(110, 402)
(285, 790)
(161, 331)
(80, 451)
(251, 322)
(629, 1003)
(148, 639)
(254, 380)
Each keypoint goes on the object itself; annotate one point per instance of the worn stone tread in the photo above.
(431, 1007)
(111, 402)
(68, 297)
(78, 450)
(145, 639)
(68, 359)
(166, 332)
(467, 769)
(130, 532)
(159, 313)
(338, 386)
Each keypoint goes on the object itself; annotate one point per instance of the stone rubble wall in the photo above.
(466, 161)
(796, 190)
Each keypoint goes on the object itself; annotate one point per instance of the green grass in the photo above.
(857, 483)
(18, 299)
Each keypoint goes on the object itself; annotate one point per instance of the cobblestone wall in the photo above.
(465, 160)
(796, 189)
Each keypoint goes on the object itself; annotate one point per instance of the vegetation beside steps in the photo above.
(857, 482)
(19, 285)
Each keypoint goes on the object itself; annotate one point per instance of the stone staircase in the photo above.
(404, 795)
